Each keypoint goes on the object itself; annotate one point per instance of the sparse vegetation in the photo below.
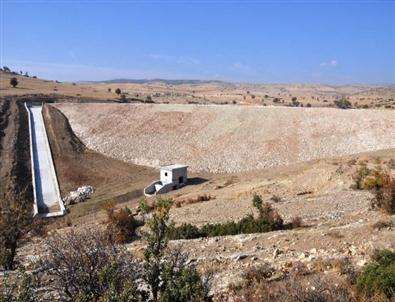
(378, 277)
(89, 266)
(18, 287)
(299, 284)
(268, 220)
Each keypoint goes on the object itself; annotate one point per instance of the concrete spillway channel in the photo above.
(47, 199)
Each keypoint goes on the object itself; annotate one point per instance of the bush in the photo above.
(385, 194)
(246, 225)
(86, 266)
(270, 215)
(343, 104)
(14, 82)
(360, 176)
(185, 231)
(268, 220)
(378, 277)
(381, 184)
(118, 91)
(122, 225)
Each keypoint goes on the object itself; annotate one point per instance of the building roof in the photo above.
(173, 167)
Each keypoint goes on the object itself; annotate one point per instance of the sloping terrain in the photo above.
(227, 138)
(201, 92)
(76, 165)
(15, 172)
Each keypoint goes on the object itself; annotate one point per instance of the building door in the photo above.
(180, 179)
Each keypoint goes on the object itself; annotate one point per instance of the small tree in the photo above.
(14, 82)
(157, 241)
(118, 91)
(165, 271)
(87, 266)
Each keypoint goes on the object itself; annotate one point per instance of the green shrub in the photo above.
(343, 104)
(185, 231)
(246, 225)
(360, 176)
(379, 276)
(268, 220)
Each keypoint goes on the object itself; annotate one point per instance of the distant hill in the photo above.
(163, 81)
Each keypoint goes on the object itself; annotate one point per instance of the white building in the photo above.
(172, 177)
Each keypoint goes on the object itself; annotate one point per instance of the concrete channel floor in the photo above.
(45, 179)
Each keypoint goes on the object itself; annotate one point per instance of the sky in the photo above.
(328, 42)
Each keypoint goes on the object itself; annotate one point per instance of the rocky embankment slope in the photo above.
(227, 138)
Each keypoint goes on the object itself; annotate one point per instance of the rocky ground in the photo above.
(338, 221)
(227, 138)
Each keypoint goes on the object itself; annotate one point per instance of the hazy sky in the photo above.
(324, 41)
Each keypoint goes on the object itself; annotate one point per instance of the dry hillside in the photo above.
(189, 92)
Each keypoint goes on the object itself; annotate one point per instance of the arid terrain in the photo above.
(209, 92)
(300, 160)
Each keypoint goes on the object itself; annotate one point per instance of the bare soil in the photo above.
(76, 165)
(15, 172)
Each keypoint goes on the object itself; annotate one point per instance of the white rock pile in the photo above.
(80, 195)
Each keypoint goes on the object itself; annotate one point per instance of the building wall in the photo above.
(166, 176)
(173, 175)
(180, 172)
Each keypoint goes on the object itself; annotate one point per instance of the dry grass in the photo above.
(382, 224)
(197, 199)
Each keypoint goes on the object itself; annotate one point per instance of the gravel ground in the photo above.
(227, 138)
